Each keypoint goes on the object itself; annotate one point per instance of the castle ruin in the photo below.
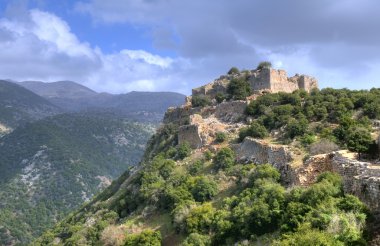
(260, 80)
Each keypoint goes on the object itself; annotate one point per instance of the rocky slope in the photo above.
(222, 171)
(49, 167)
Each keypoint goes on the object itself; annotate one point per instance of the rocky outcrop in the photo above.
(260, 152)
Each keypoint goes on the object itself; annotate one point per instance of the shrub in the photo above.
(195, 167)
(145, 238)
(233, 70)
(225, 158)
(264, 64)
(207, 155)
(266, 171)
(183, 151)
(220, 137)
(200, 101)
(219, 97)
(324, 146)
(204, 189)
(195, 239)
(255, 130)
(200, 219)
(239, 89)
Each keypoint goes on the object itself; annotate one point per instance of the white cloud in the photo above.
(42, 47)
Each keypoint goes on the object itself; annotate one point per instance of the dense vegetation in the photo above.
(205, 197)
(51, 166)
(340, 116)
(18, 105)
(212, 200)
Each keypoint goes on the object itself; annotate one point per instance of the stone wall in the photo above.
(190, 134)
(266, 79)
(231, 111)
(260, 152)
(361, 179)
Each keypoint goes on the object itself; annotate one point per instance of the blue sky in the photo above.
(174, 45)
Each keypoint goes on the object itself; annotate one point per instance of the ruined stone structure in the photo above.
(260, 152)
(267, 79)
(361, 179)
(200, 125)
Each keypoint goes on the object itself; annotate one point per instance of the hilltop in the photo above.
(245, 164)
(19, 105)
(73, 97)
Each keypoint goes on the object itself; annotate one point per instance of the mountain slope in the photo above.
(214, 195)
(49, 167)
(19, 105)
(65, 89)
(73, 97)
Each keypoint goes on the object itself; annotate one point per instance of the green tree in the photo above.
(200, 101)
(264, 64)
(145, 238)
(359, 139)
(239, 89)
(233, 70)
(225, 158)
(204, 188)
(255, 130)
(183, 150)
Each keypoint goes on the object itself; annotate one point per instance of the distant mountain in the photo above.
(19, 105)
(73, 97)
(49, 167)
(61, 89)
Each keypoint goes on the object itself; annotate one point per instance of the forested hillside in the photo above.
(49, 167)
(18, 105)
(205, 196)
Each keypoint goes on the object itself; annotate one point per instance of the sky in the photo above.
(118, 46)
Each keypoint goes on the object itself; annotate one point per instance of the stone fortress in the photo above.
(260, 80)
(198, 127)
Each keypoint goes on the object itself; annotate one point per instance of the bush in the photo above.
(200, 219)
(225, 158)
(200, 101)
(183, 151)
(239, 89)
(264, 64)
(220, 137)
(204, 189)
(195, 167)
(233, 70)
(255, 130)
(219, 97)
(324, 146)
(145, 238)
(207, 155)
(195, 239)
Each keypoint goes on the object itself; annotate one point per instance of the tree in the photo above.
(225, 158)
(239, 89)
(145, 238)
(255, 130)
(359, 139)
(264, 64)
(204, 189)
(233, 70)
(183, 151)
(200, 101)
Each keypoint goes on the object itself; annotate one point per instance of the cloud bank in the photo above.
(335, 41)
